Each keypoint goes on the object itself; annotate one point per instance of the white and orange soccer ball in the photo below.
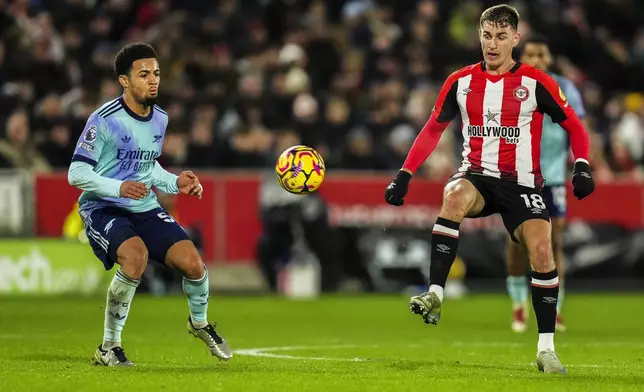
(300, 170)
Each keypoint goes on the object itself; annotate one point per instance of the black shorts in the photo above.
(107, 228)
(515, 203)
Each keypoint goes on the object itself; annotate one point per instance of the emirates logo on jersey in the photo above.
(521, 93)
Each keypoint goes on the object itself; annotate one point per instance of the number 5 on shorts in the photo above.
(534, 201)
(166, 217)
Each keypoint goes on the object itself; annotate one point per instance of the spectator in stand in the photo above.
(234, 72)
(17, 149)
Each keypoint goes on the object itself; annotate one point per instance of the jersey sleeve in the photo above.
(164, 180)
(551, 99)
(446, 107)
(574, 98)
(444, 111)
(91, 141)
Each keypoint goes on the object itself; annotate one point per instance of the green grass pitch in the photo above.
(337, 343)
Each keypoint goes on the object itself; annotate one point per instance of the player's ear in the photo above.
(124, 81)
(516, 39)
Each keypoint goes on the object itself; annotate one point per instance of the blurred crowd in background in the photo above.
(355, 79)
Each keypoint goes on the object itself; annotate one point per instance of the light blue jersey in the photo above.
(120, 146)
(554, 140)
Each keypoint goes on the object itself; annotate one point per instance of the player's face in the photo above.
(143, 81)
(497, 43)
(537, 55)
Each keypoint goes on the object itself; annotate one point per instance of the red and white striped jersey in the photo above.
(502, 118)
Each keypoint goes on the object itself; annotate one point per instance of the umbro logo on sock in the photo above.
(443, 248)
(550, 300)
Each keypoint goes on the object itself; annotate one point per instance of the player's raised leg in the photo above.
(184, 257)
(558, 227)
(460, 199)
(132, 256)
(516, 261)
(534, 234)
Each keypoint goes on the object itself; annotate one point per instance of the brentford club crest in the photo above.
(521, 93)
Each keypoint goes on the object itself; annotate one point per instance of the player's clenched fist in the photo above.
(134, 190)
(396, 191)
(582, 181)
(189, 184)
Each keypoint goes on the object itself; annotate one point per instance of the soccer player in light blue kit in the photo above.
(554, 157)
(115, 165)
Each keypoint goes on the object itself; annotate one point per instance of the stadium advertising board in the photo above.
(228, 216)
(49, 267)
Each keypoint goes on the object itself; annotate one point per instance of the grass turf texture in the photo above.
(372, 343)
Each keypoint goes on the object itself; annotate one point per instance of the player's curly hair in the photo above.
(501, 15)
(129, 54)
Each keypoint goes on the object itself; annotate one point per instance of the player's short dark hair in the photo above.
(129, 54)
(501, 15)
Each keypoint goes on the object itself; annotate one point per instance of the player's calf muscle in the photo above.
(459, 199)
(132, 256)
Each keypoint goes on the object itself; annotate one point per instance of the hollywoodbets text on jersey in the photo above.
(510, 134)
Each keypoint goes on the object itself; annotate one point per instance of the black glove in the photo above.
(582, 181)
(397, 190)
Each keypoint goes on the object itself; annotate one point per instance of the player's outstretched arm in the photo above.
(186, 183)
(82, 176)
(444, 111)
(573, 96)
(553, 102)
(164, 180)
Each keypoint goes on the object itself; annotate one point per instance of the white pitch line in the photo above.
(268, 352)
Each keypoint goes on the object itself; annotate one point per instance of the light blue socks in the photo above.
(518, 289)
(197, 291)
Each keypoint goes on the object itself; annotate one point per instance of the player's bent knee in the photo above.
(193, 267)
(458, 199)
(541, 256)
(184, 257)
(133, 258)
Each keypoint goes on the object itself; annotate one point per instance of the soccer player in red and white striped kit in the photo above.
(502, 104)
